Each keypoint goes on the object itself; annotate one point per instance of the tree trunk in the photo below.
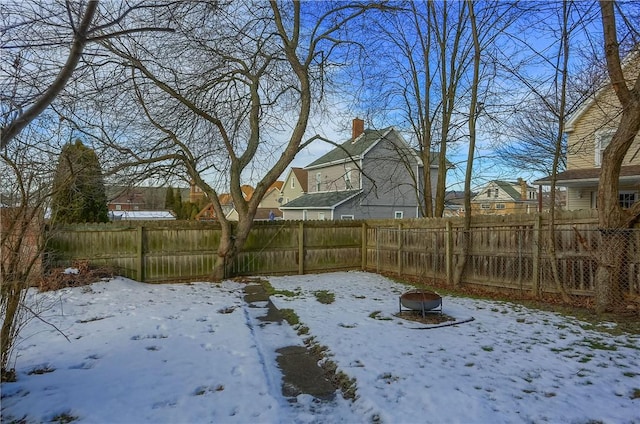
(612, 218)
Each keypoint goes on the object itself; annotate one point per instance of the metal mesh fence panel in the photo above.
(590, 267)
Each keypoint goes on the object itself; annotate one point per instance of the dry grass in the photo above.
(57, 279)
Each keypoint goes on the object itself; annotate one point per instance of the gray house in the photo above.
(371, 175)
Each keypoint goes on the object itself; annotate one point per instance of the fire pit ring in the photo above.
(421, 300)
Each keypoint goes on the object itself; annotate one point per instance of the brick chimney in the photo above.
(523, 188)
(356, 129)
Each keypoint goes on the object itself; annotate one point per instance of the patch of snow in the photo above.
(194, 353)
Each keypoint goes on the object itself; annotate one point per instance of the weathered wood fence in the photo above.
(513, 252)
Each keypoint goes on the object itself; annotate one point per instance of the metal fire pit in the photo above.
(421, 300)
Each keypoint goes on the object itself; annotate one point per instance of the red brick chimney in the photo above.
(357, 129)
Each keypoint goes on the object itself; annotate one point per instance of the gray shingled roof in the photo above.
(508, 188)
(350, 149)
(325, 200)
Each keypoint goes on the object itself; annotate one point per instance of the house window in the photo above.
(485, 206)
(500, 206)
(398, 214)
(118, 207)
(293, 183)
(347, 178)
(347, 217)
(321, 216)
(627, 198)
(603, 138)
(318, 181)
(489, 193)
(496, 193)
(532, 195)
(304, 215)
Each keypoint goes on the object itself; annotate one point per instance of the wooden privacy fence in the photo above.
(158, 252)
(513, 252)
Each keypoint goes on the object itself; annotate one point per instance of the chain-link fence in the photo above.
(589, 267)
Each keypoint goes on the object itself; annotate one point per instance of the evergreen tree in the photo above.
(169, 199)
(78, 187)
(177, 204)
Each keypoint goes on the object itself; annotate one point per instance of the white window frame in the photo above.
(501, 206)
(321, 216)
(318, 180)
(485, 206)
(603, 138)
(293, 183)
(627, 203)
(398, 215)
(305, 214)
(347, 217)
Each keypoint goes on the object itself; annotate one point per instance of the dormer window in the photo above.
(603, 138)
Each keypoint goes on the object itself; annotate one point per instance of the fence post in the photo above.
(537, 242)
(301, 247)
(140, 259)
(449, 252)
(400, 250)
(364, 246)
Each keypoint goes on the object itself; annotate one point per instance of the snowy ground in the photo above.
(195, 353)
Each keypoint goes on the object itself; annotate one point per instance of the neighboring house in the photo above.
(503, 198)
(454, 203)
(226, 201)
(196, 195)
(139, 198)
(295, 185)
(268, 208)
(365, 177)
(589, 132)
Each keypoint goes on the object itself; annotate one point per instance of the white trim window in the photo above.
(627, 198)
(293, 182)
(347, 217)
(318, 180)
(501, 206)
(603, 138)
(321, 216)
(485, 206)
(398, 215)
(304, 214)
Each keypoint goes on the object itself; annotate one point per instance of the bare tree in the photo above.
(36, 39)
(32, 31)
(613, 219)
(226, 98)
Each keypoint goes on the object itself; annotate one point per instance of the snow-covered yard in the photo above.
(196, 353)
